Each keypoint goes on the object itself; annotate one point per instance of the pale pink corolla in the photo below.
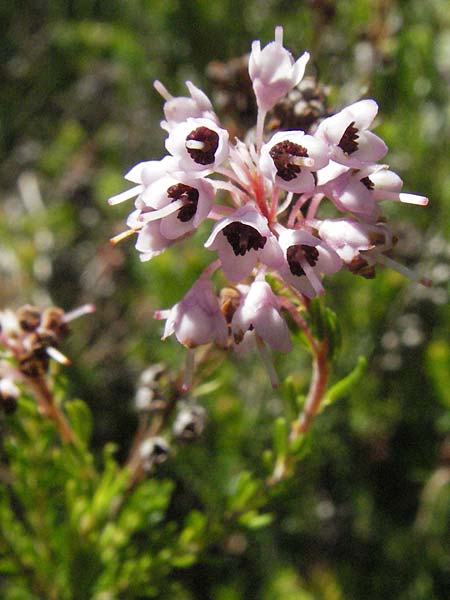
(348, 137)
(197, 318)
(150, 242)
(144, 174)
(387, 185)
(289, 159)
(362, 245)
(306, 259)
(273, 71)
(186, 200)
(178, 109)
(360, 190)
(149, 171)
(169, 209)
(259, 312)
(242, 239)
(198, 145)
(349, 238)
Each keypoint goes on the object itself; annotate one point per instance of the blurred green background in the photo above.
(367, 514)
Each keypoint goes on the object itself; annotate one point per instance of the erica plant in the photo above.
(263, 196)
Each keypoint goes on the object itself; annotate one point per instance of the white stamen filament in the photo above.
(296, 209)
(162, 90)
(122, 236)
(311, 275)
(413, 199)
(78, 312)
(260, 119)
(388, 262)
(401, 197)
(284, 205)
(194, 145)
(155, 215)
(189, 370)
(126, 195)
(314, 205)
(57, 355)
(238, 195)
(267, 361)
(237, 175)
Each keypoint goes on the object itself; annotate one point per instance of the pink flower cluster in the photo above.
(263, 199)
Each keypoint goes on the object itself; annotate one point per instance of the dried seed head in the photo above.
(189, 423)
(152, 374)
(301, 109)
(32, 365)
(53, 320)
(154, 451)
(29, 317)
(233, 91)
(148, 400)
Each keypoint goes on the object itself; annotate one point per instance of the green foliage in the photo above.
(344, 387)
(325, 325)
(72, 530)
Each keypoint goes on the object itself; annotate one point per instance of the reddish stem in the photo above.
(293, 310)
(49, 408)
(316, 392)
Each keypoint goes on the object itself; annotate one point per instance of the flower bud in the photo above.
(273, 71)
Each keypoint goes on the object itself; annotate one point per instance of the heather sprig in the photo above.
(266, 220)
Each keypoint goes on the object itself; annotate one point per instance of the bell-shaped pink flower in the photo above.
(242, 239)
(197, 318)
(273, 71)
(198, 145)
(353, 192)
(387, 185)
(349, 238)
(169, 209)
(178, 109)
(144, 174)
(360, 190)
(150, 242)
(259, 312)
(182, 202)
(348, 137)
(306, 258)
(362, 245)
(149, 171)
(290, 158)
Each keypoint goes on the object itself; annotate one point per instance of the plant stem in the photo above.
(260, 129)
(50, 409)
(316, 392)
